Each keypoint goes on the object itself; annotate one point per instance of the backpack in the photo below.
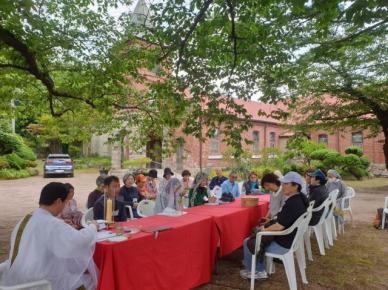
(378, 220)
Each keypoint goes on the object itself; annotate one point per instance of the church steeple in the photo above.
(141, 14)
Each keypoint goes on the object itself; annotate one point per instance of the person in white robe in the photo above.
(44, 247)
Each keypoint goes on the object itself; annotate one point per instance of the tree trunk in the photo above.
(385, 146)
(154, 151)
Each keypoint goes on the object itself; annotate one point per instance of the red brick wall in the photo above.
(372, 146)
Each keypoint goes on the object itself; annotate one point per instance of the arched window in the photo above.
(323, 138)
(357, 139)
(255, 140)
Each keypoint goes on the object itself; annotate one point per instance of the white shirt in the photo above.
(53, 250)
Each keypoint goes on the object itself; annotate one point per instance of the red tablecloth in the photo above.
(234, 223)
(181, 258)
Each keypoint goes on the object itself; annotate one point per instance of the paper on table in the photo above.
(104, 235)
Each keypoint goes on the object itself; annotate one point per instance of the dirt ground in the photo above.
(21, 196)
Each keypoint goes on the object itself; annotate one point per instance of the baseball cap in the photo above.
(292, 176)
(317, 173)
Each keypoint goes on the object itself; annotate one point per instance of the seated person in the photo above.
(141, 186)
(318, 193)
(199, 193)
(272, 183)
(218, 179)
(111, 190)
(252, 186)
(335, 182)
(70, 214)
(169, 196)
(151, 184)
(129, 194)
(45, 247)
(97, 193)
(186, 181)
(230, 185)
(295, 205)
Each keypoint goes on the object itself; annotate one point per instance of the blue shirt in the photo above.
(227, 186)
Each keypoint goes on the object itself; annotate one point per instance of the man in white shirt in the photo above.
(45, 247)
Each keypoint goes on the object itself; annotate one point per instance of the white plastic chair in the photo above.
(318, 230)
(130, 212)
(345, 207)
(146, 208)
(350, 193)
(88, 216)
(287, 258)
(41, 284)
(329, 224)
(385, 212)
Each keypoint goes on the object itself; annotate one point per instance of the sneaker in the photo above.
(245, 274)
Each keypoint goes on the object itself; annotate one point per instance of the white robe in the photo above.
(52, 250)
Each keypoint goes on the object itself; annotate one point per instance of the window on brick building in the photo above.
(272, 139)
(323, 138)
(215, 142)
(357, 139)
(255, 140)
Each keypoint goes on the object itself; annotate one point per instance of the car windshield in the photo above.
(59, 157)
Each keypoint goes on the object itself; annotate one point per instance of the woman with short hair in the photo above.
(272, 183)
(295, 206)
(252, 185)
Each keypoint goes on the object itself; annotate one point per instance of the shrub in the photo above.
(351, 160)
(32, 171)
(25, 152)
(15, 161)
(332, 160)
(139, 162)
(365, 162)
(31, 163)
(319, 154)
(3, 163)
(13, 173)
(354, 150)
(92, 162)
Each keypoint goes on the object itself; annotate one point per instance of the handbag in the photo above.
(227, 197)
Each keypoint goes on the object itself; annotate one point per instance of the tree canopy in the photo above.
(66, 56)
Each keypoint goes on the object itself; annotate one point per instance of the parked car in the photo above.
(58, 164)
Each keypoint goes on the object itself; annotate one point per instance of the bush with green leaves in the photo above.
(15, 161)
(354, 150)
(3, 162)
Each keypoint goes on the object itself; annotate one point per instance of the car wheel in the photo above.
(71, 175)
(45, 175)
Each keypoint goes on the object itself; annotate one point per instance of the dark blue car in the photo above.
(58, 164)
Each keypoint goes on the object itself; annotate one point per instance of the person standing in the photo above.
(151, 184)
(45, 247)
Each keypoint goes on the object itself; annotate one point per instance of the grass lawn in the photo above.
(358, 261)
(374, 183)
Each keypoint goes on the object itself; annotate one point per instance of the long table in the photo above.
(180, 258)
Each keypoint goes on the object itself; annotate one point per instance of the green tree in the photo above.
(283, 49)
